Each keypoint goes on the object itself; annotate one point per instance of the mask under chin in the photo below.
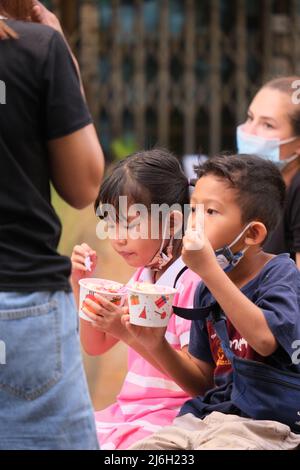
(161, 259)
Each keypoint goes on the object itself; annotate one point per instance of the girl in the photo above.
(272, 131)
(149, 398)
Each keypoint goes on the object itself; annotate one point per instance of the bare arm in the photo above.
(111, 322)
(189, 373)
(94, 341)
(298, 260)
(77, 166)
(247, 318)
(109, 329)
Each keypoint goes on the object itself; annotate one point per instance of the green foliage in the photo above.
(123, 146)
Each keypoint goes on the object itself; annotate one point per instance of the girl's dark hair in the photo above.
(285, 85)
(146, 177)
(260, 189)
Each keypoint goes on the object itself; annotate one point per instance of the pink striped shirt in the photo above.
(149, 399)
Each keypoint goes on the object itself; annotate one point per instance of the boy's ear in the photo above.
(176, 223)
(256, 234)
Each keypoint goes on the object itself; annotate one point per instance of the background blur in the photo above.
(177, 73)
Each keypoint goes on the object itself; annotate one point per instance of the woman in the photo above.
(272, 130)
(46, 134)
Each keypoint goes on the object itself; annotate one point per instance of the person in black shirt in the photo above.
(272, 131)
(46, 135)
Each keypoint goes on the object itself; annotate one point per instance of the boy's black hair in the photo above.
(146, 177)
(259, 185)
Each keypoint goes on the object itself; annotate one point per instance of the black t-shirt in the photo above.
(43, 102)
(286, 238)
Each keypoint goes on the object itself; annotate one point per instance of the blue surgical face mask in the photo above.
(228, 260)
(269, 149)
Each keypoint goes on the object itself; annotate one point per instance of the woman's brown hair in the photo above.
(287, 85)
(18, 9)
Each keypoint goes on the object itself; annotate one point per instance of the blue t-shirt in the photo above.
(276, 290)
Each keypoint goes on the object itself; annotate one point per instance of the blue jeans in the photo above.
(44, 400)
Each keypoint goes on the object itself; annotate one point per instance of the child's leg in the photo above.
(219, 432)
(169, 438)
(230, 432)
(179, 436)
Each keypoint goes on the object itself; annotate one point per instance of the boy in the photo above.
(259, 294)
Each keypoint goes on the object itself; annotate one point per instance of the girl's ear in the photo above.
(176, 224)
(256, 234)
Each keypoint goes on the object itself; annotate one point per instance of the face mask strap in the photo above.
(160, 259)
(288, 141)
(240, 235)
(233, 258)
(291, 159)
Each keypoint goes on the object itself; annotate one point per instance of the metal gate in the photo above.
(180, 73)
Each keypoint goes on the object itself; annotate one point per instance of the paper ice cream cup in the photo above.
(149, 304)
(110, 290)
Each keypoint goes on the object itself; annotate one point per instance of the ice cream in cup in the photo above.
(111, 290)
(150, 304)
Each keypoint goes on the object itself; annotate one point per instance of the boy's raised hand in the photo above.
(197, 253)
(84, 262)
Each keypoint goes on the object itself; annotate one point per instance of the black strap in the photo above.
(185, 268)
(200, 313)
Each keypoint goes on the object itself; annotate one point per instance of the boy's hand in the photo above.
(197, 252)
(106, 316)
(84, 262)
(150, 338)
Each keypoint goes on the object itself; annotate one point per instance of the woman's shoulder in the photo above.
(33, 37)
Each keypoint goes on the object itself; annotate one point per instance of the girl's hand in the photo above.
(84, 262)
(106, 316)
(6, 32)
(150, 338)
(40, 14)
